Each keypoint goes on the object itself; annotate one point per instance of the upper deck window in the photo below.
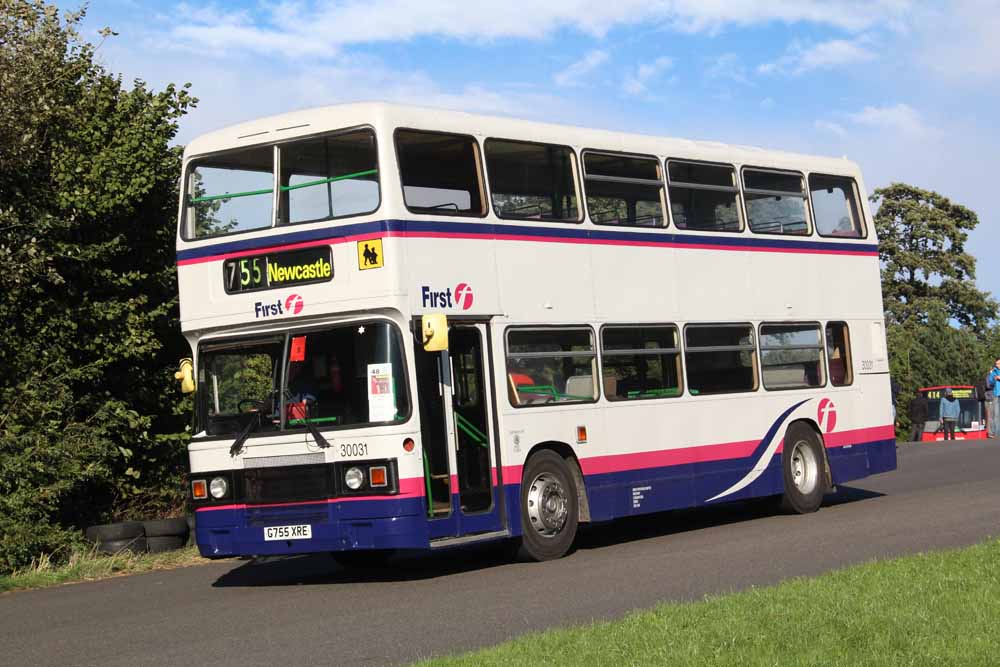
(776, 202)
(230, 192)
(440, 173)
(703, 196)
(835, 206)
(532, 181)
(320, 178)
(623, 189)
(328, 177)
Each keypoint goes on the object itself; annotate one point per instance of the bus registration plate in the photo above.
(272, 533)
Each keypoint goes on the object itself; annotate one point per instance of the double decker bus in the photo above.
(413, 329)
(971, 419)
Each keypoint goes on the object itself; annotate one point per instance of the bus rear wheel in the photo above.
(804, 470)
(549, 508)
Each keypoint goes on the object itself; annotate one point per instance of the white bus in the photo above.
(634, 324)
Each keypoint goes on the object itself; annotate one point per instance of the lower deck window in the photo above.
(548, 366)
(791, 356)
(640, 362)
(720, 358)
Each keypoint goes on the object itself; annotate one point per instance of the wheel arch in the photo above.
(565, 451)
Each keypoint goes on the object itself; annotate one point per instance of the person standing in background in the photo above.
(918, 416)
(949, 410)
(993, 385)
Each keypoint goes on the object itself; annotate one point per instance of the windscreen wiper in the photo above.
(252, 426)
(317, 436)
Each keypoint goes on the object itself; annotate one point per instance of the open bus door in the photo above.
(461, 460)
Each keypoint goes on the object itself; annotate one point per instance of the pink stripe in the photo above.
(520, 237)
(598, 465)
(859, 436)
(412, 487)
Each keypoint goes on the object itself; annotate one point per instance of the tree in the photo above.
(922, 239)
(89, 423)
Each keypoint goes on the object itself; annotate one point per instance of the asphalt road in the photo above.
(306, 610)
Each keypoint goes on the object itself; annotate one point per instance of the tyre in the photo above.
(113, 532)
(166, 528)
(192, 534)
(549, 511)
(359, 560)
(803, 465)
(136, 545)
(159, 544)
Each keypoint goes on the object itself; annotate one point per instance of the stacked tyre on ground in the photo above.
(154, 536)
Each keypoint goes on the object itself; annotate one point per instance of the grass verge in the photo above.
(91, 565)
(931, 609)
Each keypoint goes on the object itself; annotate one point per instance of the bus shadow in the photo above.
(313, 569)
(322, 569)
(676, 522)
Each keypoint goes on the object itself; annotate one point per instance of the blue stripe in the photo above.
(489, 230)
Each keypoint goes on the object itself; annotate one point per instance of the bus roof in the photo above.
(293, 124)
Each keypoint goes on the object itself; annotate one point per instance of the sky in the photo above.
(907, 89)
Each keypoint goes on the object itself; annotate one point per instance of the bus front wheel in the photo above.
(804, 470)
(549, 509)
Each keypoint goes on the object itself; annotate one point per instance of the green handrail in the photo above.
(427, 484)
(550, 390)
(470, 429)
(324, 181)
(312, 420)
(284, 188)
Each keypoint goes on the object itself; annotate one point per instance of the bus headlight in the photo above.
(353, 478)
(219, 487)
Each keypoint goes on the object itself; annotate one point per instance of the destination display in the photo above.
(277, 269)
(957, 393)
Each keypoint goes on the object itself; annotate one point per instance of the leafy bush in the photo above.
(88, 192)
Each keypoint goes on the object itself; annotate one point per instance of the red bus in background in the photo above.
(971, 419)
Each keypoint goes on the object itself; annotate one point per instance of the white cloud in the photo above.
(319, 28)
(575, 73)
(635, 82)
(830, 126)
(800, 59)
(900, 117)
(767, 103)
(728, 66)
(958, 42)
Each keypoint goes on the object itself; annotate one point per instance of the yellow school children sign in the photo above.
(370, 254)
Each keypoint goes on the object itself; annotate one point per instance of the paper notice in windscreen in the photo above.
(381, 399)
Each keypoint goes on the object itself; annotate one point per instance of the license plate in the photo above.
(272, 533)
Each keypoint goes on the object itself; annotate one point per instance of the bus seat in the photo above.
(580, 385)
(837, 370)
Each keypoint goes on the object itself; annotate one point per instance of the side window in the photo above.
(547, 366)
(791, 356)
(838, 351)
(231, 192)
(776, 202)
(835, 206)
(328, 177)
(440, 173)
(640, 362)
(532, 181)
(623, 190)
(703, 196)
(720, 358)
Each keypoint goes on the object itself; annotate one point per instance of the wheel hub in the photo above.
(548, 506)
(805, 467)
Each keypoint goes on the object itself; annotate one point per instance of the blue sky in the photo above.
(907, 89)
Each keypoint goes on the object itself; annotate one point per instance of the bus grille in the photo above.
(288, 484)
